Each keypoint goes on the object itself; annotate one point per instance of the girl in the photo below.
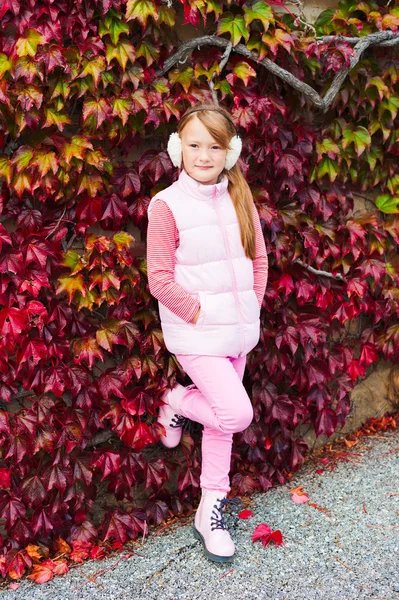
(207, 266)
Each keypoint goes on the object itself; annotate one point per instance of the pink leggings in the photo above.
(220, 403)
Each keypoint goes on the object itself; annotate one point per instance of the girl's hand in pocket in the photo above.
(195, 319)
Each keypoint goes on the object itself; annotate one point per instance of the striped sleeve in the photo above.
(162, 241)
(260, 263)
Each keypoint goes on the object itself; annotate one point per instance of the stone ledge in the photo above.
(369, 398)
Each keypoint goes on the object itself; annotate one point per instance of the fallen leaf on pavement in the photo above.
(245, 514)
(263, 533)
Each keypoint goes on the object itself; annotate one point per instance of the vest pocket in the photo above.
(257, 308)
(201, 316)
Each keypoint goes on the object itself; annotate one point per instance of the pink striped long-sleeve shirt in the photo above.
(162, 241)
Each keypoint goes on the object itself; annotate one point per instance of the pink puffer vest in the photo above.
(212, 266)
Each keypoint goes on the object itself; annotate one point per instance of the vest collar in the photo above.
(200, 190)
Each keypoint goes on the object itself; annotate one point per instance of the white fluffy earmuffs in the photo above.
(175, 151)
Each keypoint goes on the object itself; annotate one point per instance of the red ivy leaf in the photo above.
(85, 532)
(81, 550)
(139, 436)
(17, 562)
(12, 321)
(109, 462)
(61, 567)
(11, 509)
(127, 180)
(245, 514)
(260, 531)
(157, 164)
(266, 535)
(5, 478)
(116, 526)
(97, 553)
(41, 573)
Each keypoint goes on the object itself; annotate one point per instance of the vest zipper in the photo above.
(232, 274)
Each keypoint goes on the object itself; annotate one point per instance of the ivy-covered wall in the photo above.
(89, 92)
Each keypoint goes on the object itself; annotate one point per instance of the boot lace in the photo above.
(186, 424)
(178, 421)
(218, 522)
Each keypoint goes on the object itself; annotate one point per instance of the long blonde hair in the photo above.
(220, 125)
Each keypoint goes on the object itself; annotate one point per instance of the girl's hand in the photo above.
(195, 319)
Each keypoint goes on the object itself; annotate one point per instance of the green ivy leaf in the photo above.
(166, 15)
(5, 168)
(393, 183)
(328, 167)
(61, 88)
(244, 71)
(312, 63)
(259, 11)
(71, 284)
(45, 161)
(94, 68)
(122, 108)
(235, 26)
(98, 110)
(5, 64)
(184, 77)
(21, 182)
(284, 39)
(92, 297)
(200, 70)
(388, 204)
(113, 27)
(324, 19)
(359, 136)
(22, 157)
(73, 261)
(92, 183)
(328, 147)
(148, 51)
(122, 240)
(161, 85)
(381, 86)
(256, 43)
(141, 10)
(56, 118)
(270, 42)
(372, 155)
(215, 7)
(391, 105)
(123, 52)
(27, 46)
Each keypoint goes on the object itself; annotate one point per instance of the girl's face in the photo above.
(203, 157)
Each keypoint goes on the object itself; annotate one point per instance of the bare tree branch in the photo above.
(317, 272)
(381, 38)
(354, 40)
(222, 65)
(361, 45)
(56, 225)
(300, 16)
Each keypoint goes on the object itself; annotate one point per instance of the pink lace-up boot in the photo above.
(210, 527)
(170, 418)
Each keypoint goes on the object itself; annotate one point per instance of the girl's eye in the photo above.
(213, 147)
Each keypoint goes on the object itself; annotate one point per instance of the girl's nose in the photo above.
(204, 155)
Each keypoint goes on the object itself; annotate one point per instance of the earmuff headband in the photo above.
(174, 143)
(230, 120)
